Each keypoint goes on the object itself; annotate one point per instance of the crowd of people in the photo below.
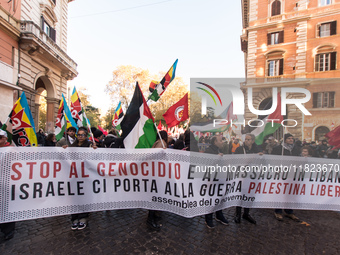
(214, 144)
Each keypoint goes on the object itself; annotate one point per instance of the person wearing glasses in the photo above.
(79, 220)
(249, 147)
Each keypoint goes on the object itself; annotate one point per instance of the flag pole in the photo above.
(159, 135)
(283, 141)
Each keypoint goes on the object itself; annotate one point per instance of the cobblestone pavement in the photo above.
(125, 232)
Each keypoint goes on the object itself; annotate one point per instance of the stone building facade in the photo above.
(41, 61)
(9, 59)
(294, 44)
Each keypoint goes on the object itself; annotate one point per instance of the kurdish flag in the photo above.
(118, 117)
(138, 126)
(64, 119)
(269, 126)
(77, 110)
(20, 124)
(161, 86)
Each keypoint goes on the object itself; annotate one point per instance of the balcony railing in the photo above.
(28, 28)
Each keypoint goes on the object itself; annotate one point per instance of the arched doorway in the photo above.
(45, 104)
(319, 133)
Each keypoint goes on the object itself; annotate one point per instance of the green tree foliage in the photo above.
(92, 112)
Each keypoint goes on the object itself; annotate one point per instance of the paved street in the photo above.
(125, 232)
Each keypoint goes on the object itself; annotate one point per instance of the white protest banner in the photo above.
(44, 182)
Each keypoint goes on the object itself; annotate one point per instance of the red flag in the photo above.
(177, 113)
(160, 127)
(101, 129)
(334, 137)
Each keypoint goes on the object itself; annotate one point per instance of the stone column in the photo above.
(52, 104)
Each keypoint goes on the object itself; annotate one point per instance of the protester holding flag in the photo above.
(287, 148)
(9, 227)
(248, 147)
(69, 138)
(215, 148)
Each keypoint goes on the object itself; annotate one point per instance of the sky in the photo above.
(151, 34)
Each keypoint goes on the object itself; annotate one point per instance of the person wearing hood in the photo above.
(287, 148)
(112, 140)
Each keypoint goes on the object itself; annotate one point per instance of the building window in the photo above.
(323, 99)
(327, 29)
(325, 2)
(276, 8)
(275, 38)
(275, 67)
(48, 29)
(325, 62)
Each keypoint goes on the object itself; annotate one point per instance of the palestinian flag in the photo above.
(160, 87)
(138, 126)
(269, 127)
(118, 117)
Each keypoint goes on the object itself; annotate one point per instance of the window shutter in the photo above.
(281, 67)
(333, 28)
(281, 35)
(331, 99)
(53, 34)
(315, 100)
(333, 61)
(276, 8)
(42, 22)
(268, 68)
(317, 59)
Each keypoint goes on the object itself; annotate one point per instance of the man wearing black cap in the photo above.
(287, 148)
